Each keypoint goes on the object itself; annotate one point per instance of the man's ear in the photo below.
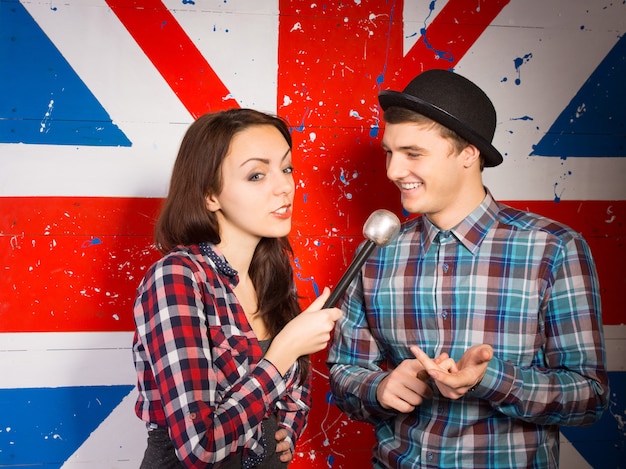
(212, 204)
(471, 155)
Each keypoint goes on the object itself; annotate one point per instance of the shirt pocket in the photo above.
(230, 356)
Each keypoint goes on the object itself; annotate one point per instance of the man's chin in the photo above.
(411, 208)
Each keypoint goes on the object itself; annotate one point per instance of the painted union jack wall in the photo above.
(95, 96)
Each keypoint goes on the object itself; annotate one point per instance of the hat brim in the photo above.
(388, 98)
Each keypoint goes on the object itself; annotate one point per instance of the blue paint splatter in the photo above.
(342, 178)
(375, 128)
(518, 62)
(557, 197)
(330, 460)
(316, 289)
(91, 242)
(300, 128)
(523, 118)
(440, 54)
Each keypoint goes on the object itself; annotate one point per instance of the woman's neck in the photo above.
(239, 256)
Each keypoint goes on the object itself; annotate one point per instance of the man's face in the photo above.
(425, 168)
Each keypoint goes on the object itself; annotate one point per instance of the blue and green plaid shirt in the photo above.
(522, 283)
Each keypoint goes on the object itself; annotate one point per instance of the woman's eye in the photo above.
(255, 177)
(288, 170)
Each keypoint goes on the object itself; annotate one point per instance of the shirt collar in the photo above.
(471, 231)
(221, 264)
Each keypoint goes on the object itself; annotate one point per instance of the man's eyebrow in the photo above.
(404, 147)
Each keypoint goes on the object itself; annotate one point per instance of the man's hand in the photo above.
(460, 378)
(283, 447)
(405, 386)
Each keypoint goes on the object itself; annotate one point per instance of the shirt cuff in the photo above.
(270, 379)
(497, 383)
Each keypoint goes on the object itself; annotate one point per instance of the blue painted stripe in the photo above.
(592, 125)
(603, 444)
(45, 426)
(42, 99)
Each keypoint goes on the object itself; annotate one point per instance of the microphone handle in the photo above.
(349, 275)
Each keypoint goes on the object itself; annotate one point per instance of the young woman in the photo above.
(221, 347)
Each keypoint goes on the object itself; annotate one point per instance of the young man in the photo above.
(474, 334)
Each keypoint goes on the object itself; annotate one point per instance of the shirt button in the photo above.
(192, 416)
(445, 268)
(430, 455)
(444, 314)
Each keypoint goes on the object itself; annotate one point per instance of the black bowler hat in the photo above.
(453, 101)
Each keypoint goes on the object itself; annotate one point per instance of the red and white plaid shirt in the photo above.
(199, 366)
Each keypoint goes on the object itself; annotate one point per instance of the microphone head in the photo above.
(381, 227)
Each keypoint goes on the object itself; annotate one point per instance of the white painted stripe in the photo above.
(36, 360)
(570, 457)
(615, 344)
(33, 360)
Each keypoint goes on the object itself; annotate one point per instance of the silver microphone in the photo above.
(379, 229)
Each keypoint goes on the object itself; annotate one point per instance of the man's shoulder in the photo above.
(529, 221)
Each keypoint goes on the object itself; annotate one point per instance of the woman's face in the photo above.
(257, 186)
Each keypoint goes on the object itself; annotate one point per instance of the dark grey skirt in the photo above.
(160, 453)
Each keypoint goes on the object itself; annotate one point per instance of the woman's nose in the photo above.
(285, 185)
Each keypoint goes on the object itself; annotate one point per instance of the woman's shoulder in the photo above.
(182, 257)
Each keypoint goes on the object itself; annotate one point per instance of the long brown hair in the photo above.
(185, 219)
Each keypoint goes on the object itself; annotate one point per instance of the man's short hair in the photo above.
(400, 115)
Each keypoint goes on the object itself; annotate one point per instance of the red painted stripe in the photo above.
(72, 264)
(455, 29)
(174, 55)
